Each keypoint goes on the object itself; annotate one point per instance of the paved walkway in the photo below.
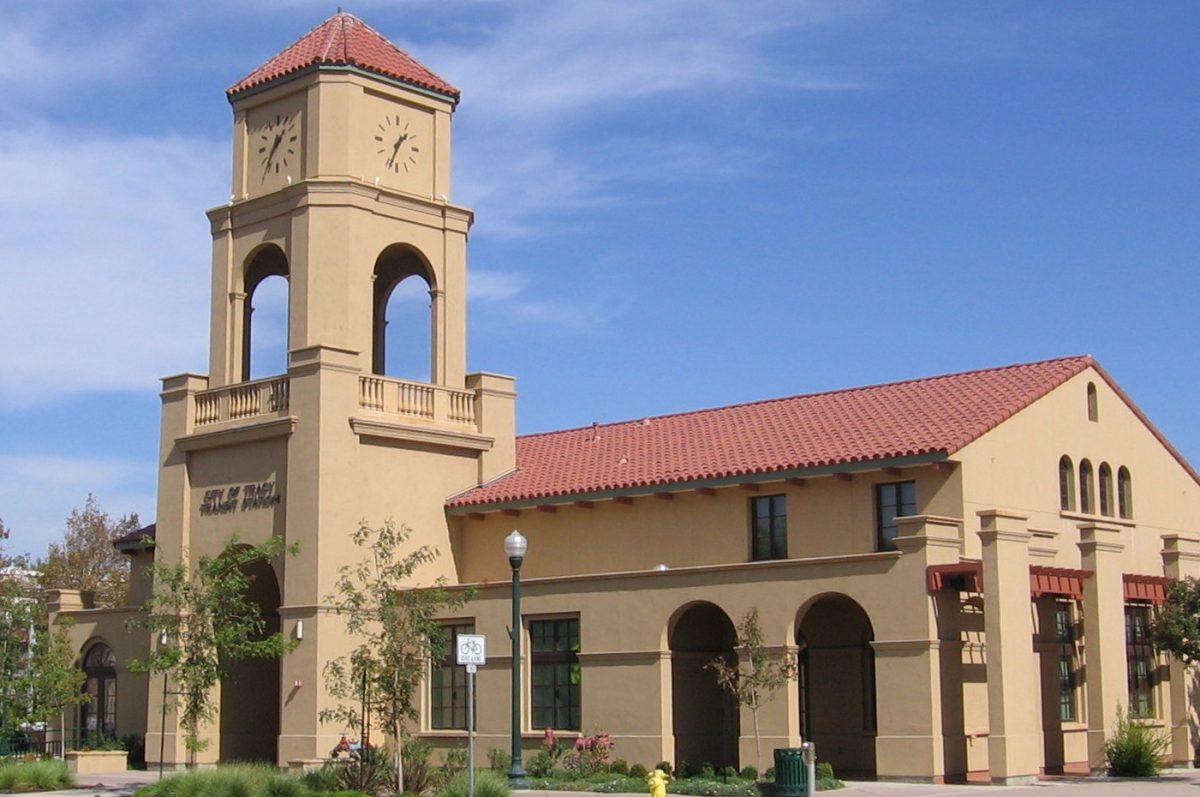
(1175, 783)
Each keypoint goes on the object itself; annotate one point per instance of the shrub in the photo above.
(638, 771)
(1134, 750)
(324, 779)
(25, 775)
(414, 755)
(769, 774)
(499, 759)
(540, 765)
(372, 772)
(748, 773)
(707, 772)
(825, 771)
(487, 784)
(233, 780)
(619, 767)
(454, 761)
(665, 766)
(135, 745)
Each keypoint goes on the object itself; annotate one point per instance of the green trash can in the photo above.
(791, 776)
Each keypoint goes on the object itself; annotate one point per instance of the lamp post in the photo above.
(515, 546)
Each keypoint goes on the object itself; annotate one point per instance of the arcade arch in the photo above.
(705, 716)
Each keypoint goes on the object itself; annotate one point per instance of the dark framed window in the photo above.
(98, 716)
(1106, 489)
(1124, 492)
(1093, 407)
(556, 675)
(1139, 658)
(892, 500)
(1087, 489)
(1068, 669)
(768, 527)
(448, 684)
(1066, 484)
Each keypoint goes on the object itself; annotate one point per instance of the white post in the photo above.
(471, 730)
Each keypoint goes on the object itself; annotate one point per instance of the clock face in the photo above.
(278, 145)
(396, 144)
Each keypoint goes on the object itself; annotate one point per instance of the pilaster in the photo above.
(1181, 559)
(1103, 634)
(909, 741)
(1015, 734)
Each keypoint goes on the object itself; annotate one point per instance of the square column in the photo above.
(1181, 559)
(1015, 733)
(1106, 684)
(910, 717)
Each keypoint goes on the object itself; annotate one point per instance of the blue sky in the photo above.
(680, 204)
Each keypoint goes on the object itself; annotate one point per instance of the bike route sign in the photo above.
(471, 649)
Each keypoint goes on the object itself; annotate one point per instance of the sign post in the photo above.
(470, 650)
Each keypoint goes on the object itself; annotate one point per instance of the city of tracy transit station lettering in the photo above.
(223, 500)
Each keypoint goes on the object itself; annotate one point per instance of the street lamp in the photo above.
(515, 546)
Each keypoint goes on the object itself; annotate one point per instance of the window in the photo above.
(1124, 493)
(1066, 484)
(892, 500)
(1106, 490)
(98, 716)
(1093, 407)
(1064, 633)
(556, 675)
(768, 527)
(1087, 495)
(1139, 658)
(448, 684)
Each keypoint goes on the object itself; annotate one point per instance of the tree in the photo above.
(397, 629)
(86, 560)
(20, 621)
(52, 680)
(757, 675)
(201, 615)
(1177, 630)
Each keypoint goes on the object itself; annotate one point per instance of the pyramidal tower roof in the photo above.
(344, 40)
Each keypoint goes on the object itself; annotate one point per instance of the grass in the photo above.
(27, 776)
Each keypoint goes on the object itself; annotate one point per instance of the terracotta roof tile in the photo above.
(345, 40)
(933, 415)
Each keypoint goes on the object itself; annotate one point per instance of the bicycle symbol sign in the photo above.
(471, 649)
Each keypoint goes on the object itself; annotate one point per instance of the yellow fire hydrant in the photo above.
(657, 781)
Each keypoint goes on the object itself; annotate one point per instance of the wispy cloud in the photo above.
(60, 482)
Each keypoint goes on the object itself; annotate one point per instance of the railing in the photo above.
(241, 401)
(416, 400)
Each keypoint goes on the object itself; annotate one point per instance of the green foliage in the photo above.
(757, 675)
(1177, 629)
(499, 759)
(397, 631)
(619, 767)
(45, 774)
(487, 784)
(706, 771)
(86, 560)
(372, 772)
(539, 765)
(205, 614)
(324, 779)
(638, 771)
(1135, 750)
(748, 773)
(135, 745)
(102, 742)
(665, 766)
(229, 780)
(825, 771)
(455, 761)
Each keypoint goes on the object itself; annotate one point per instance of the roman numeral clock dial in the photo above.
(396, 144)
(278, 145)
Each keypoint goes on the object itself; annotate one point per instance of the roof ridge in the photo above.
(1086, 359)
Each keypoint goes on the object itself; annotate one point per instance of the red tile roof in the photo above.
(345, 40)
(932, 416)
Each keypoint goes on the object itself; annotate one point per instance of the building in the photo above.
(942, 554)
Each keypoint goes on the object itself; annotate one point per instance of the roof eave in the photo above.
(234, 95)
(696, 484)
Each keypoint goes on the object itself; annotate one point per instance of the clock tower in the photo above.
(341, 187)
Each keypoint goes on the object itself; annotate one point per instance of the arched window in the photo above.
(1124, 493)
(265, 320)
(1092, 407)
(1087, 495)
(1106, 490)
(1066, 484)
(403, 321)
(98, 716)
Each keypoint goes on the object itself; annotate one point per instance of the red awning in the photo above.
(1146, 589)
(1064, 581)
(960, 576)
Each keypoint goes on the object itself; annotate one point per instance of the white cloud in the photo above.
(494, 286)
(35, 489)
(104, 259)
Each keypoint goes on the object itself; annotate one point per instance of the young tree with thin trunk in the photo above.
(397, 631)
(201, 615)
(757, 675)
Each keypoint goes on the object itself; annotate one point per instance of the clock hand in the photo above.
(396, 149)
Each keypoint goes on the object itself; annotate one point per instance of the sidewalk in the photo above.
(1174, 783)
